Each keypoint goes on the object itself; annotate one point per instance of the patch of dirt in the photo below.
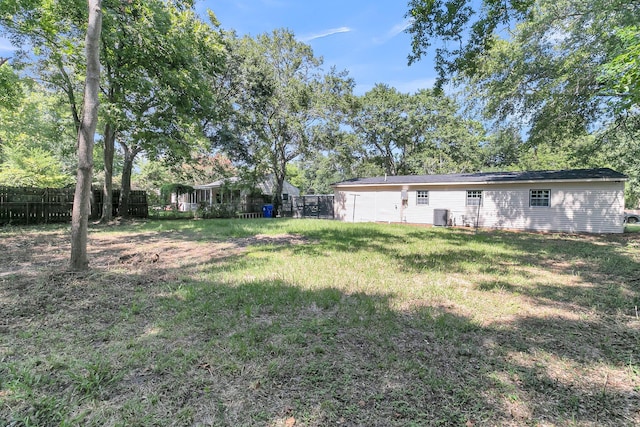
(31, 254)
(277, 239)
(34, 271)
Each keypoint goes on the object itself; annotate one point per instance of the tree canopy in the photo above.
(10, 87)
(160, 63)
(561, 72)
(280, 100)
(549, 85)
(460, 30)
(159, 88)
(415, 134)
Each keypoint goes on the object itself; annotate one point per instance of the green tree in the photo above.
(461, 30)
(566, 76)
(502, 149)
(280, 101)
(160, 102)
(505, 150)
(421, 133)
(618, 147)
(549, 72)
(548, 76)
(381, 122)
(40, 120)
(49, 36)
(10, 87)
(160, 63)
(622, 72)
(31, 166)
(317, 172)
(295, 176)
(151, 176)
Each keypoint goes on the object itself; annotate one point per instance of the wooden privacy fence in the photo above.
(138, 207)
(25, 205)
(21, 205)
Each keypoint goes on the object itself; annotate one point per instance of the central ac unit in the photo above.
(441, 217)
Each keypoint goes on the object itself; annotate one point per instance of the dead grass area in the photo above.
(313, 324)
(30, 255)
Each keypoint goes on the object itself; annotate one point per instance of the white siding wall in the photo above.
(574, 207)
(370, 206)
(595, 207)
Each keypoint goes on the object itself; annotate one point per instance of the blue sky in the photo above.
(365, 38)
(6, 50)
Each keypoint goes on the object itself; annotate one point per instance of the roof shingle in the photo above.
(492, 177)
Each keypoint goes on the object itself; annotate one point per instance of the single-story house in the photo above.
(583, 200)
(231, 191)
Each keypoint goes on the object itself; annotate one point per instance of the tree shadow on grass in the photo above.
(155, 345)
(109, 347)
(352, 354)
(606, 264)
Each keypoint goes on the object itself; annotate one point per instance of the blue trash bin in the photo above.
(267, 211)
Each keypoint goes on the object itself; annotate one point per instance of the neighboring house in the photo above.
(584, 200)
(231, 191)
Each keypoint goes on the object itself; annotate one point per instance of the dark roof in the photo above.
(486, 177)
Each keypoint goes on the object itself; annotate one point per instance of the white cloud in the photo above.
(394, 31)
(397, 29)
(325, 33)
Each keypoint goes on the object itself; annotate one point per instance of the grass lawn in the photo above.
(312, 323)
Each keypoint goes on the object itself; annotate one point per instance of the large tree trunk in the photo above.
(107, 196)
(82, 198)
(125, 190)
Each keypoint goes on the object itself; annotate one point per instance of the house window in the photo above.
(285, 197)
(474, 197)
(539, 197)
(422, 197)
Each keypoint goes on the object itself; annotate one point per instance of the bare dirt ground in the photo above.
(151, 253)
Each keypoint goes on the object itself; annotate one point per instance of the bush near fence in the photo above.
(26, 205)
